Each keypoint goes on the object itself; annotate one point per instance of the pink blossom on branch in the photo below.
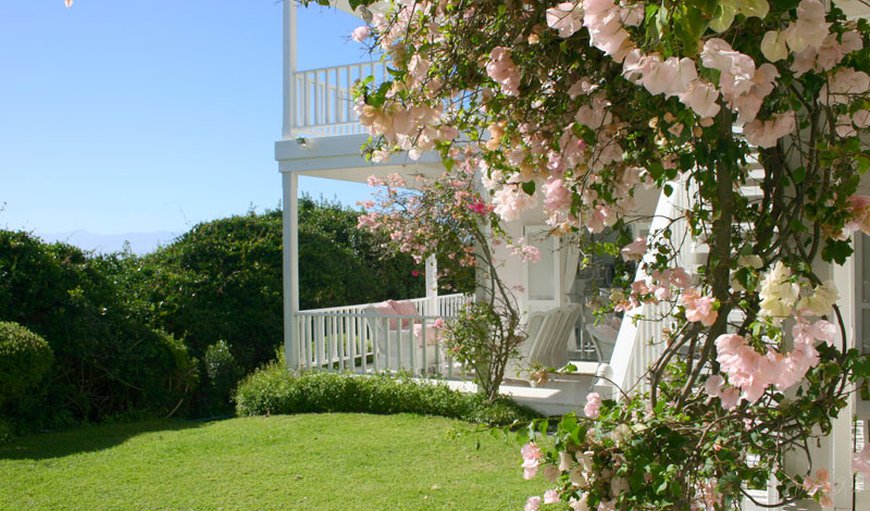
(501, 68)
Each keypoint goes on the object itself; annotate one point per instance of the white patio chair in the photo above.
(541, 329)
(397, 340)
(557, 349)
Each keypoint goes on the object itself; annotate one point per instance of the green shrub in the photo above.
(25, 359)
(273, 390)
(108, 362)
(223, 373)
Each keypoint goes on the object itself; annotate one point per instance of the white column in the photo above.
(289, 67)
(290, 257)
(432, 285)
(841, 444)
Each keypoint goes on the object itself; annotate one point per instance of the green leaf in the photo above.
(837, 251)
(799, 175)
(529, 187)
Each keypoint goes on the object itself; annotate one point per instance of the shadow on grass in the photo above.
(85, 439)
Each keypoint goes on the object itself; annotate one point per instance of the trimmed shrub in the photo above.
(25, 359)
(273, 390)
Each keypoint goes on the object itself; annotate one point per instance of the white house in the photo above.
(321, 137)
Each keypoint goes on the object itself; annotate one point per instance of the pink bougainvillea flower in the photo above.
(532, 504)
(531, 454)
(501, 68)
(566, 17)
(551, 497)
(593, 405)
(766, 133)
(859, 209)
(820, 485)
(730, 397)
(699, 308)
(713, 385)
(635, 250)
(359, 34)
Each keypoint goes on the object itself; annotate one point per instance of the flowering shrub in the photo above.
(572, 107)
(447, 217)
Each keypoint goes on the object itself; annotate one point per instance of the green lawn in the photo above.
(344, 462)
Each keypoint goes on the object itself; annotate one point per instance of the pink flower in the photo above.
(566, 17)
(729, 398)
(767, 133)
(810, 29)
(360, 34)
(713, 385)
(478, 207)
(845, 83)
(531, 455)
(556, 196)
(551, 497)
(604, 21)
(699, 308)
(510, 202)
(501, 68)
(533, 504)
(859, 210)
(438, 323)
(593, 405)
(820, 485)
(634, 251)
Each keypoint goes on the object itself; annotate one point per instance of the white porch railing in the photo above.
(641, 336)
(322, 100)
(356, 338)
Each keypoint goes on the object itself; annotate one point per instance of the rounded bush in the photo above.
(25, 359)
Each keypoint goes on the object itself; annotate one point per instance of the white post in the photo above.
(432, 285)
(289, 68)
(841, 435)
(290, 257)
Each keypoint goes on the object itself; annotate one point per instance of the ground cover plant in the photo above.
(323, 462)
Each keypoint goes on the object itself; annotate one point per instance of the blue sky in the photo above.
(124, 116)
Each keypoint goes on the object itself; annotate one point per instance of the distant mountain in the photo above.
(140, 242)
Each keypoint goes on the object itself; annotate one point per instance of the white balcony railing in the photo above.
(322, 99)
(356, 338)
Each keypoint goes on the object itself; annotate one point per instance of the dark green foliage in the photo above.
(25, 359)
(223, 373)
(106, 362)
(273, 390)
(223, 279)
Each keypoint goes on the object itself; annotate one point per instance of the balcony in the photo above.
(321, 100)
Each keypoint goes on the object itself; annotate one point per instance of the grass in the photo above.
(312, 462)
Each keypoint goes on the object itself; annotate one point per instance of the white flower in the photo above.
(822, 300)
(778, 294)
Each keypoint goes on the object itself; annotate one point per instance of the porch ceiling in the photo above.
(339, 158)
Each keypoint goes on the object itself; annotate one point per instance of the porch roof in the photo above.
(339, 158)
